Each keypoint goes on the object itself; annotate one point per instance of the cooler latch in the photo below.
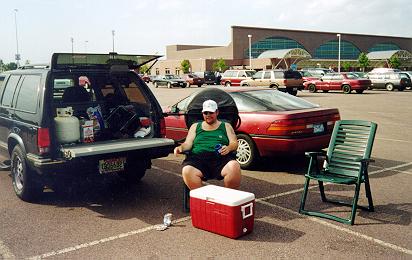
(247, 210)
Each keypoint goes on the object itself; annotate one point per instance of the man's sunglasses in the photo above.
(208, 113)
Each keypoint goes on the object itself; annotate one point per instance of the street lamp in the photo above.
(85, 46)
(113, 39)
(72, 41)
(338, 52)
(250, 50)
(17, 56)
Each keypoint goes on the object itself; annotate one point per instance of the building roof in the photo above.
(286, 53)
(386, 55)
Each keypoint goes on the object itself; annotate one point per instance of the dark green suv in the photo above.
(86, 114)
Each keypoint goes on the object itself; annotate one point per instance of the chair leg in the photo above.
(304, 195)
(355, 203)
(186, 199)
(322, 191)
(368, 193)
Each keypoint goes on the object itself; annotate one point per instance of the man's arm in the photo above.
(188, 143)
(232, 146)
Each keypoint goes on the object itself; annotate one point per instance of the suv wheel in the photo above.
(293, 92)
(25, 187)
(312, 88)
(247, 154)
(346, 89)
(134, 171)
(274, 87)
(389, 87)
(227, 84)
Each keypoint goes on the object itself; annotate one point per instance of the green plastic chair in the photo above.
(347, 160)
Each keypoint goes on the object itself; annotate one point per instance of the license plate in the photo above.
(318, 128)
(111, 165)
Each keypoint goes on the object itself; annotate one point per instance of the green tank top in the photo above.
(205, 141)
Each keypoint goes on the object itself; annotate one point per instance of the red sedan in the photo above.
(345, 82)
(272, 123)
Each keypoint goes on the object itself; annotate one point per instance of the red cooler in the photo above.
(224, 211)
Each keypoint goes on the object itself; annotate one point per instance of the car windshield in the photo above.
(352, 76)
(249, 73)
(269, 100)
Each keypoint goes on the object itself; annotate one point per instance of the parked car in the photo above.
(318, 72)
(285, 80)
(307, 76)
(345, 82)
(384, 70)
(145, 78)
(193, 79)
(52, 127)
(388, 81)
(170, 81)
(408, 75)
(272, 123)
(234, 77)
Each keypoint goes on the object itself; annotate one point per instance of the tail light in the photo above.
(43, 140)
(162, 128)
(145, 121)
(288, 127)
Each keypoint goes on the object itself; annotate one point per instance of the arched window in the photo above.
(272, 43)
(329, 50)
(384, 47)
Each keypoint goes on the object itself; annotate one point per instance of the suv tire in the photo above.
(134, 171)
(292, 92)
(389, 87)
(25, 187)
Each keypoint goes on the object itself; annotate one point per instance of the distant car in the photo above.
(389, 81)
(145, 78)
(170, 81)
(272, 123)
(193, 79)
(345, 82)
(234, 77)
(285, 80)
(318, 72)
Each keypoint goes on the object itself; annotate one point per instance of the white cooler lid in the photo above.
(222, 195)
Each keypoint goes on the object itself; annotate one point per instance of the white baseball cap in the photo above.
(210, 106)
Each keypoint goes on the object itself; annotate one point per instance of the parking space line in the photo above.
(393, 140)
(103, 240)
(5, 252)
(406, 172)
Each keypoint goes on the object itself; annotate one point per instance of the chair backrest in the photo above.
(351, 140)
(75, 94)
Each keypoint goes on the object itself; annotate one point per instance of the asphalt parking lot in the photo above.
(107, 219)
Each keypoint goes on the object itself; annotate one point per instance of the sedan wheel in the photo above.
(155, 85)
(246, 152)
(346, 89)
(169, 85)
(312, 88)
(227, 84)
(389, 87)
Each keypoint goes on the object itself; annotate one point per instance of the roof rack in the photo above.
(34, 66)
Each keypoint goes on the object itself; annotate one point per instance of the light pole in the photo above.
(113, 39)
(85, 46)
(338, 51)
(72, 41)
(17, 56)
(250, 50)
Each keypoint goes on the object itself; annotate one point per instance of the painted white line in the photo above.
(343, 229)
(103, 240)
(5, 252)
(406, 172)
(393, 140)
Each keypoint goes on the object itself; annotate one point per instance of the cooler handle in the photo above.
(243, 209)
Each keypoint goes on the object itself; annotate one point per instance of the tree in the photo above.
(219, 65)
(10, 66)
(144, 69)
(346, 65)
(185, 65)
(394, 62)
(1, 65)
(363, 61)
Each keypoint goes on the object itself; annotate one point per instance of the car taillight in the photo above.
(162, 127)
(145, 121)
(288, 127)
(43, 140)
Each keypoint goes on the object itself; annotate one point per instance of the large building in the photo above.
(265, 48)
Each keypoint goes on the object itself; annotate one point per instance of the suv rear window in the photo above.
(291, 74)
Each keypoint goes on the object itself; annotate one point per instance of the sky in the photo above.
(148, 26)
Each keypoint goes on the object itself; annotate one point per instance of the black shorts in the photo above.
(209, 164)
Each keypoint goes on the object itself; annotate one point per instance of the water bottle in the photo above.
(167, 219)
(217, 149)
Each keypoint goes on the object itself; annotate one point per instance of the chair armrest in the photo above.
(314, 154)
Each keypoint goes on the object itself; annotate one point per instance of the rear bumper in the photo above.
(271, 146)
